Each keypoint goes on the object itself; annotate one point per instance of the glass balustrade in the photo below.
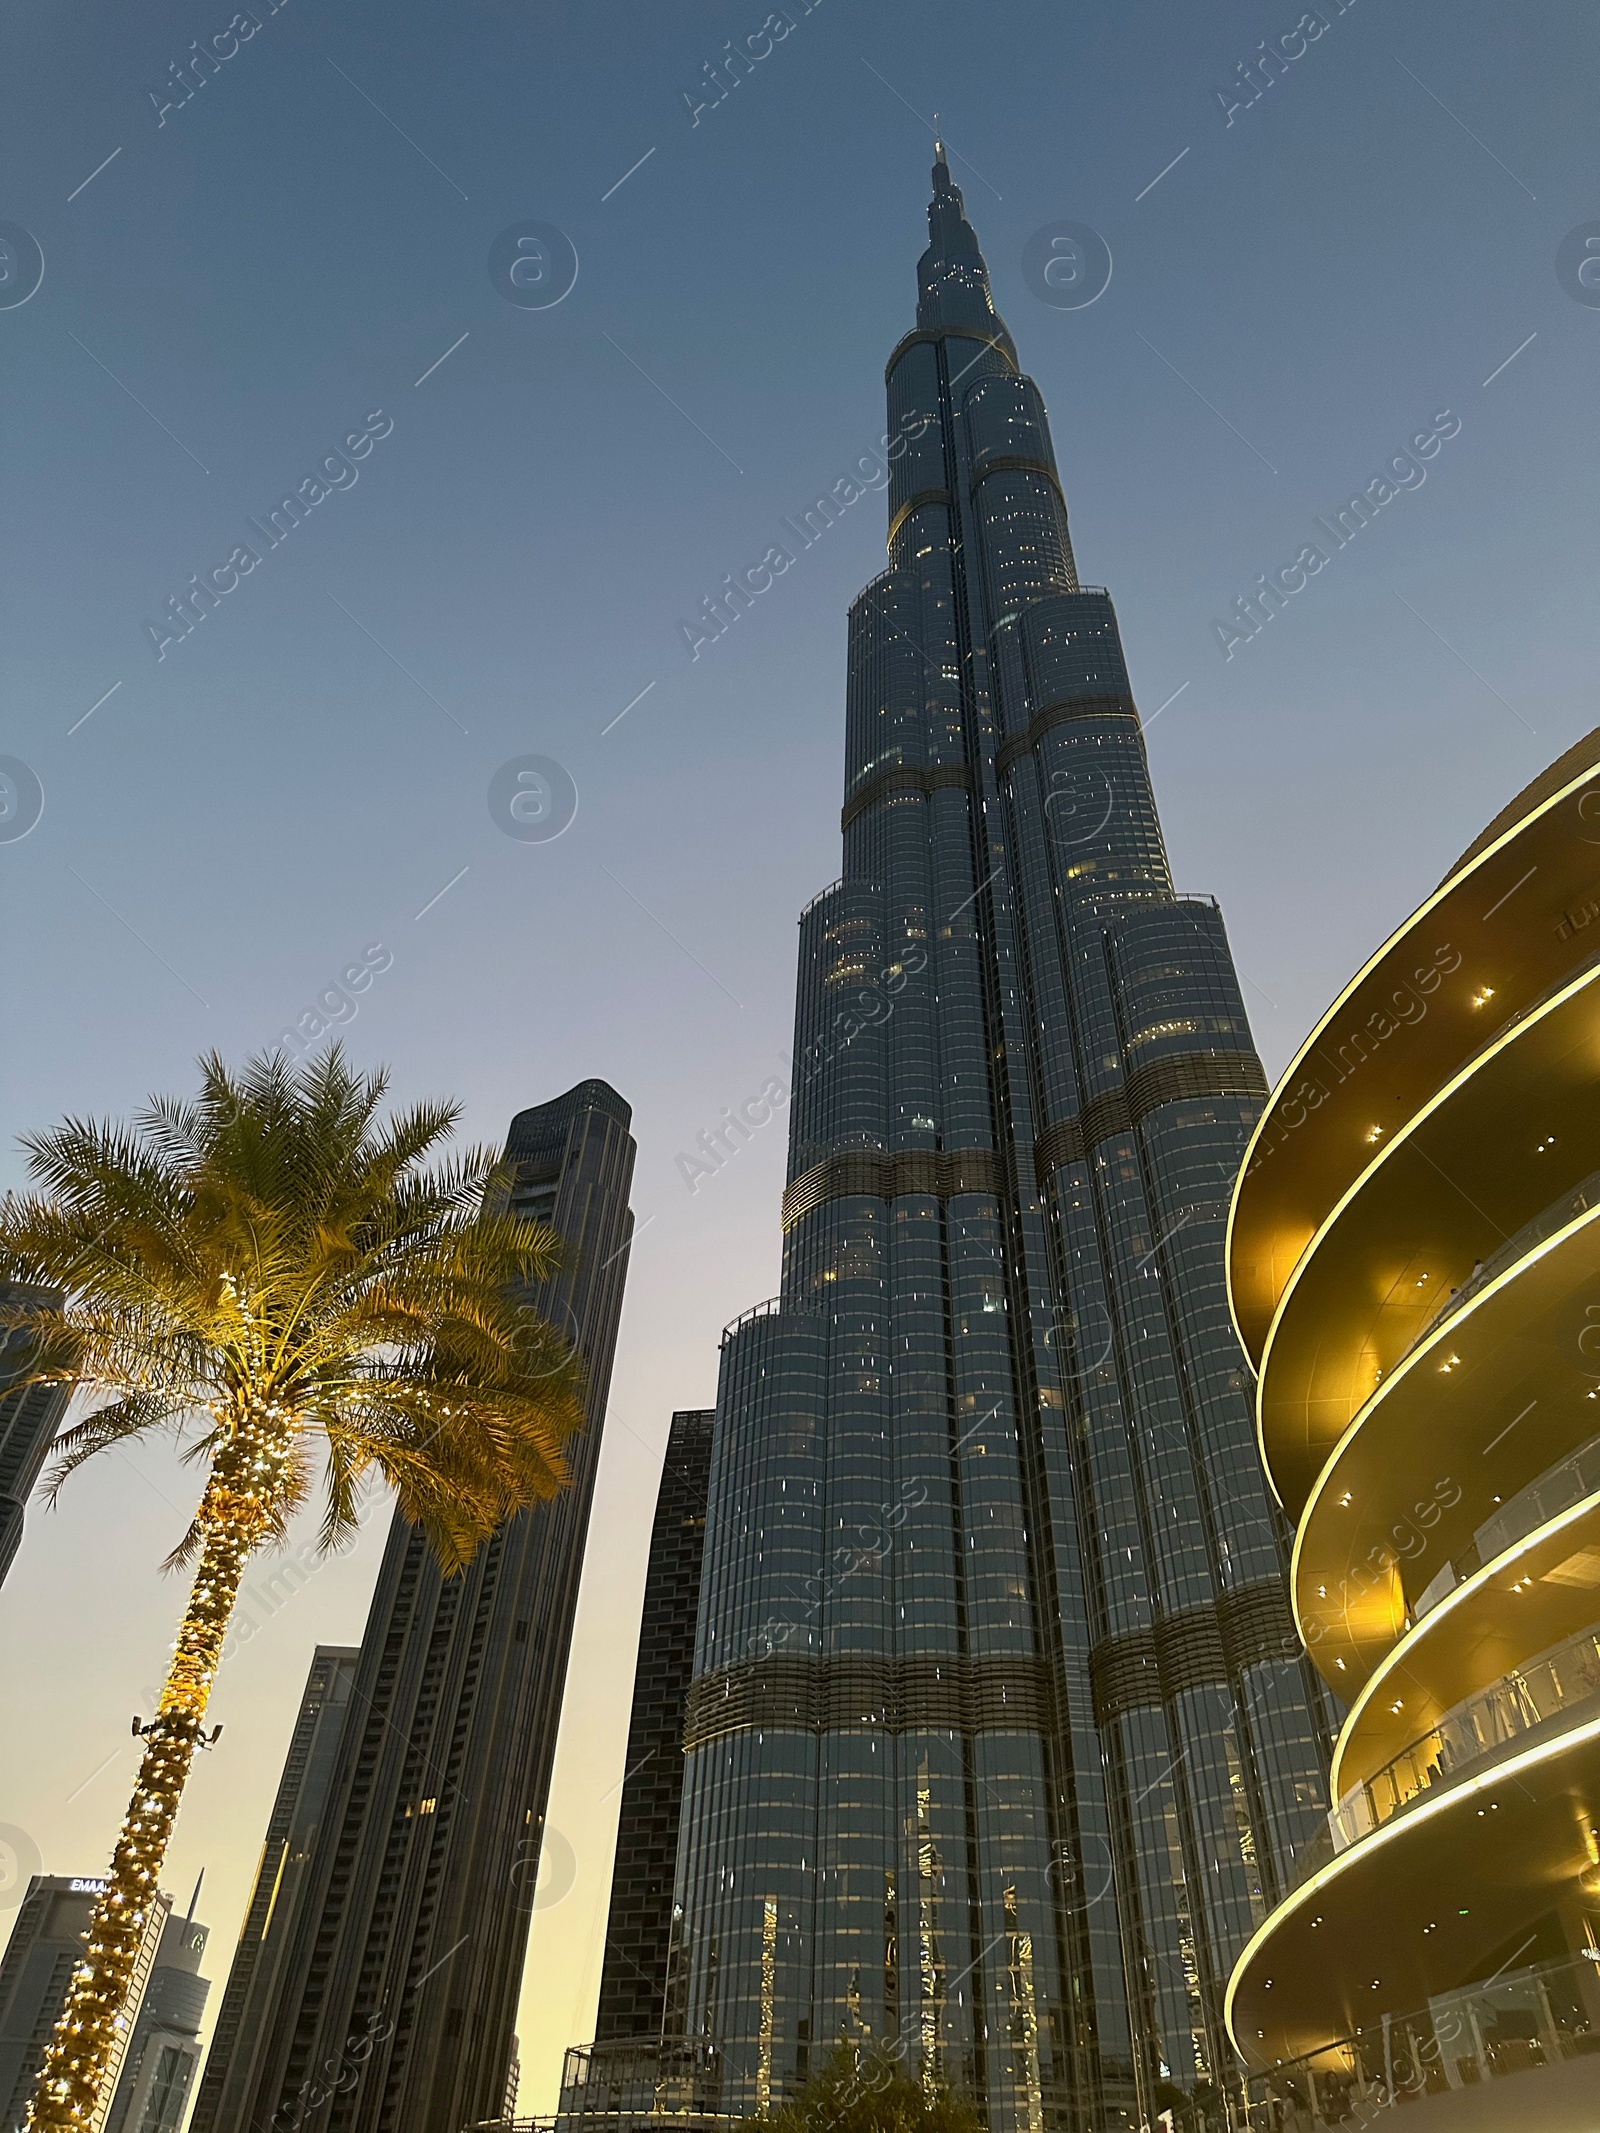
(1515, 2024)
(1553, 1685)
(1556, 1490)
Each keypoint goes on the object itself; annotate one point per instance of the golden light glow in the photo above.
(1413, 1247)
(1404, 1023)
(1354, 1306)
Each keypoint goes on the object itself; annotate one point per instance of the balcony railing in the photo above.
(820, 895)
(637, 2082)
(1517, 2023)
(772, 1308)
(1572, 1203)
(1555, 1684)
(1556, 1490)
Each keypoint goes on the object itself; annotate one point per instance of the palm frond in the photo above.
(137, 1414)
(278, 1253)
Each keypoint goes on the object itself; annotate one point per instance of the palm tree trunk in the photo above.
(235, 1516)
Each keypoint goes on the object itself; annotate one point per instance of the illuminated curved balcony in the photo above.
(1436, 1450)
(1538, 1697)
(1540, 2018)
(1415, 1259)
(1447, 1188)
(1437, 1893)
(1518, 1588)
(1497, 933)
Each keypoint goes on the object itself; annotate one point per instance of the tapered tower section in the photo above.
(1415, 1261)
(1000, 1743)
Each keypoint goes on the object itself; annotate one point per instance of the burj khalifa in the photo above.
(1000, 1742)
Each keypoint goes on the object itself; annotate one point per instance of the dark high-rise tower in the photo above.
(999, 1742)
(46, 1946)
(258, 1980)
(412, 1917)
(638, 1931)
(28, 1424)
(164, 2043)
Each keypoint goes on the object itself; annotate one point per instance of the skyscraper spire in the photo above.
(952, 279)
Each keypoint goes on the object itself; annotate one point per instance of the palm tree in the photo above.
(275, 1275)
(862, 2088)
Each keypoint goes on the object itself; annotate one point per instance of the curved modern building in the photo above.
(1414, 1262)
(1000, 1742)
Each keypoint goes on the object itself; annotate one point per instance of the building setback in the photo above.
(1000, 1742)
(257, 1979)
(633, 1979)
(406, 1949)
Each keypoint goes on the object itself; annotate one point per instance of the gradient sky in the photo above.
(244, 283)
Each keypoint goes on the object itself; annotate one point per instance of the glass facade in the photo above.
(1000, 1741)
(28, 1423)
(45, 1947)
(639, 1926)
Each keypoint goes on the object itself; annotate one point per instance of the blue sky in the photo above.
(300, 253)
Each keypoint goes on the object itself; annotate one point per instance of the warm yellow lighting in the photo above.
(1319, 1240)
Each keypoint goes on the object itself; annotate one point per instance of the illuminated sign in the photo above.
(88, 1888)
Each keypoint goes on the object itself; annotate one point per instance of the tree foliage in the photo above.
(281, 1278)
(862, 2089)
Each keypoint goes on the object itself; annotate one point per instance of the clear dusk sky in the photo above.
(234, 286)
